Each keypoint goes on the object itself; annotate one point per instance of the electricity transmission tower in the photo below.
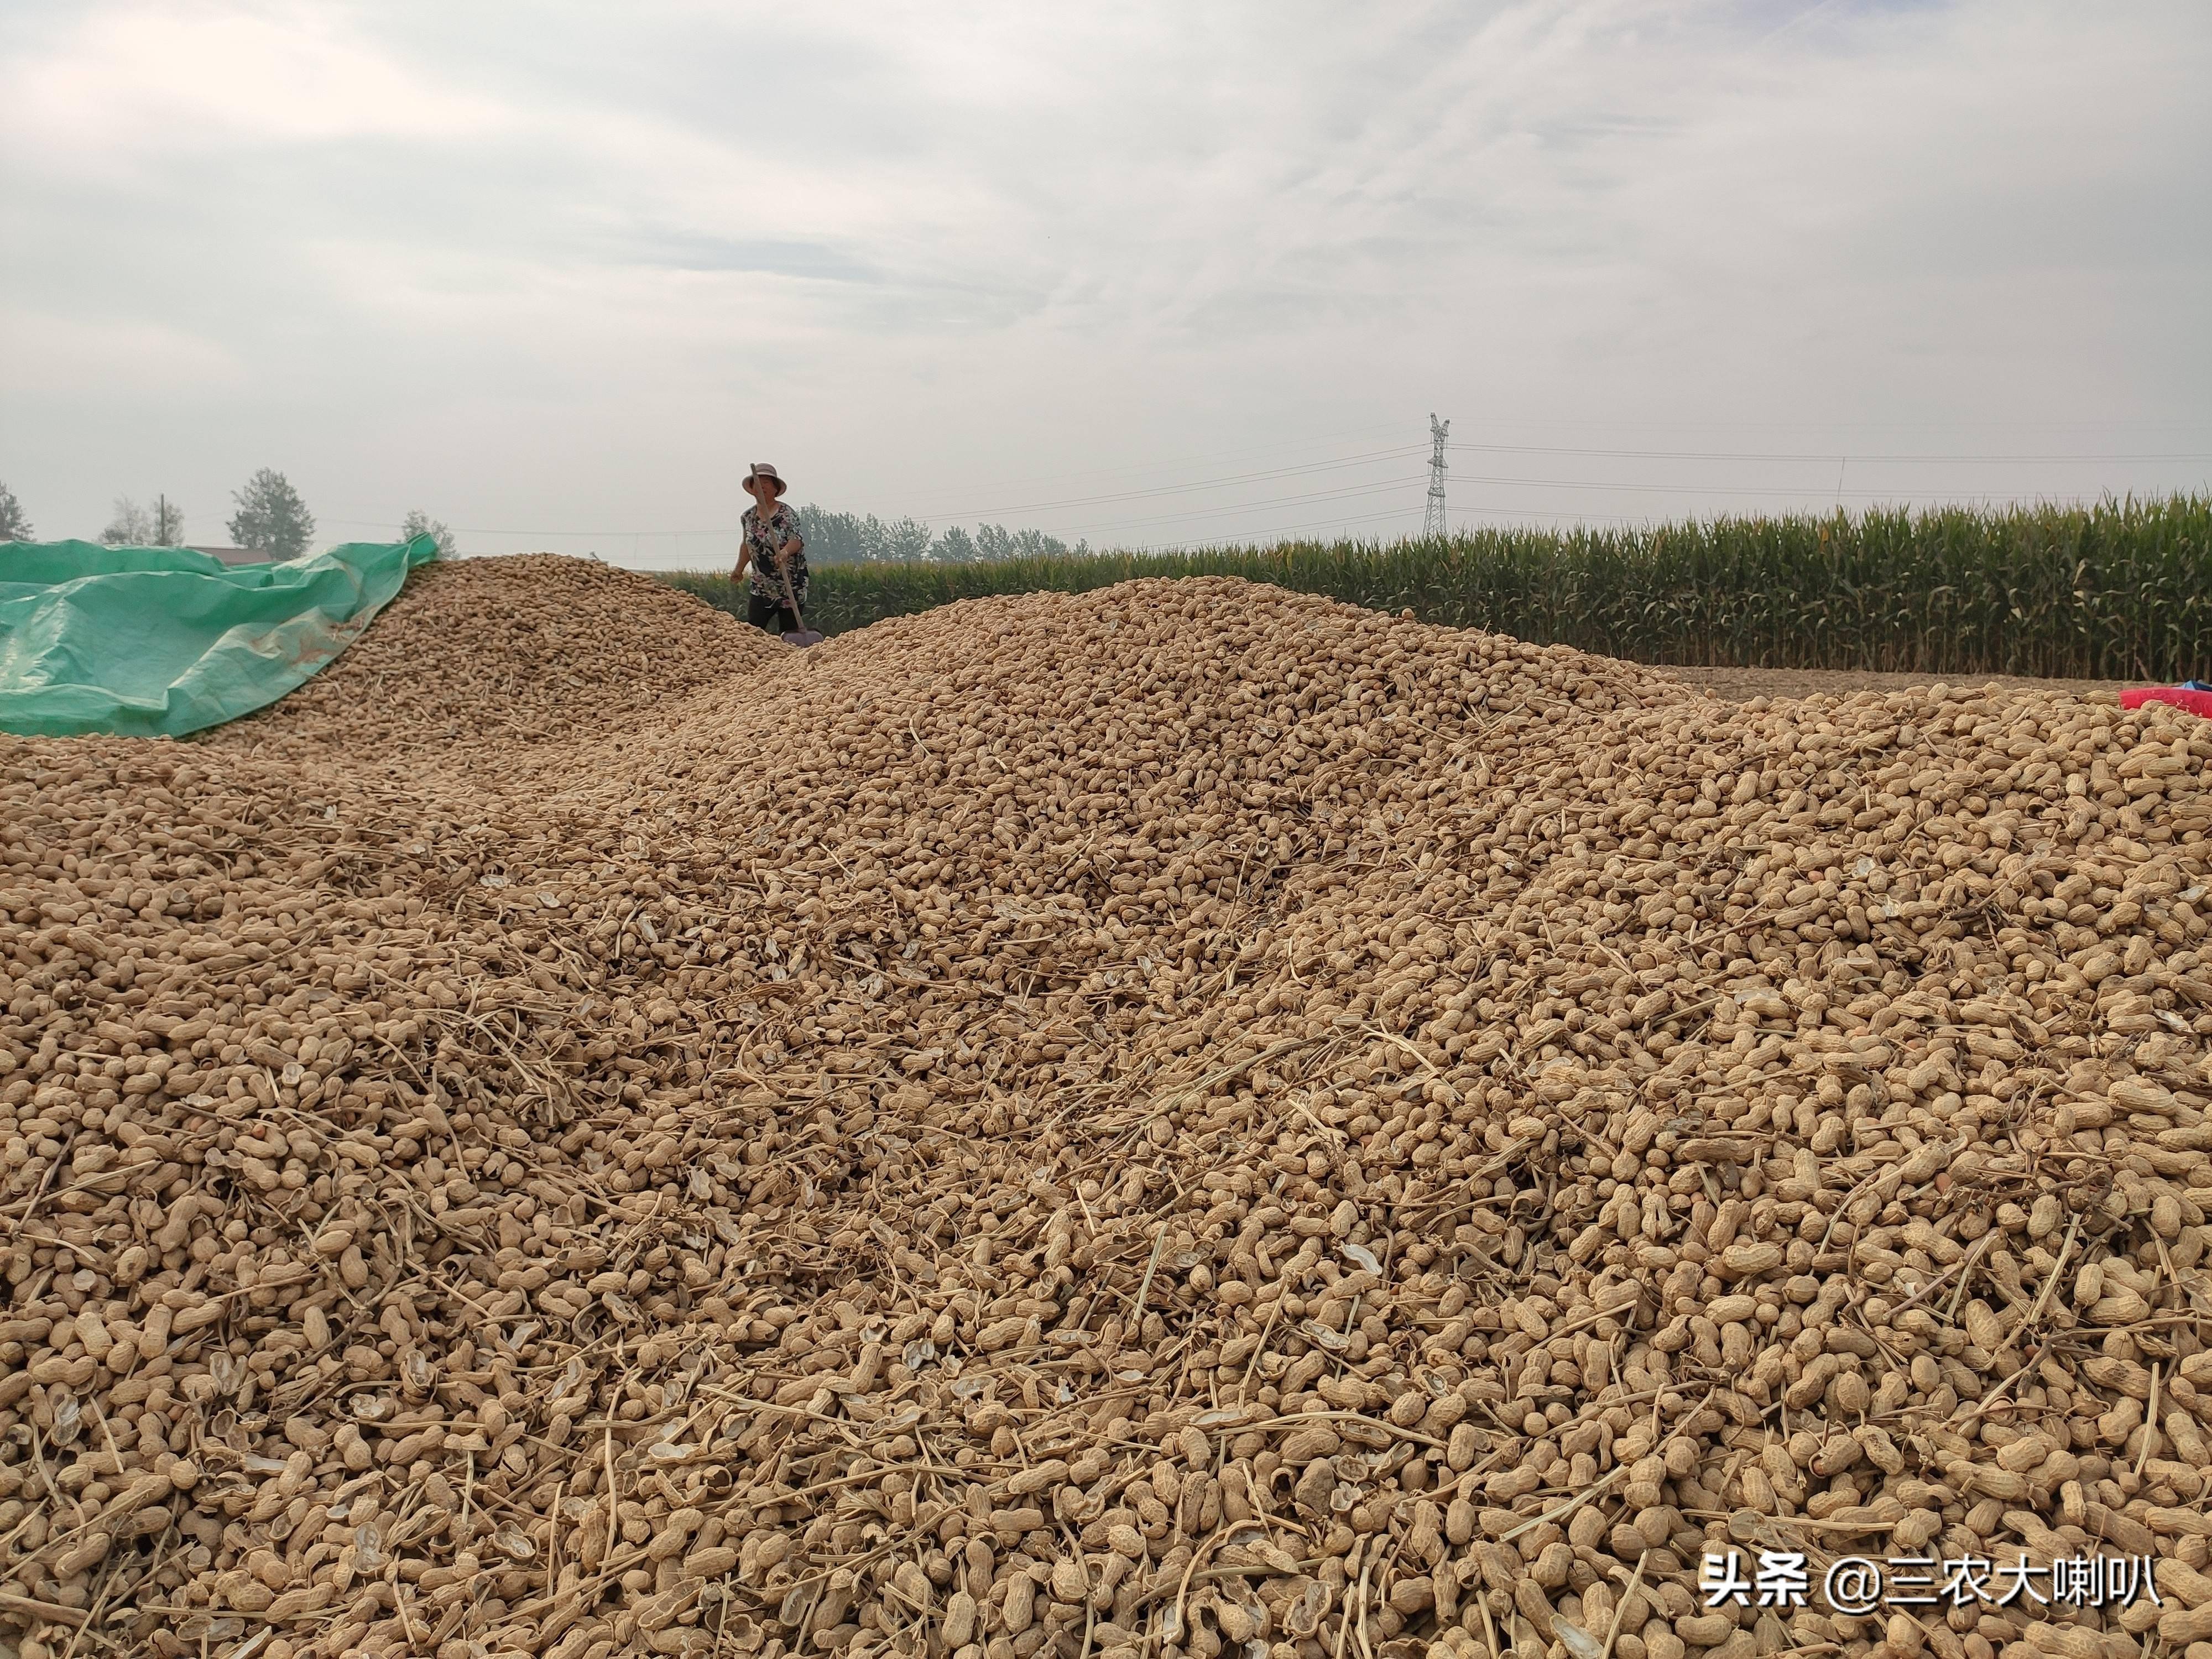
(1432, 523)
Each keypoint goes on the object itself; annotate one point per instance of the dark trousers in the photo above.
(767, 613)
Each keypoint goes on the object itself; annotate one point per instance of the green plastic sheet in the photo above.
(156, 641)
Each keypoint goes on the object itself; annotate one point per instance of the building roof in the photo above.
(238, 555)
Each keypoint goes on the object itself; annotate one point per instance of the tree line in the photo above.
(272, 518)
(857, 539)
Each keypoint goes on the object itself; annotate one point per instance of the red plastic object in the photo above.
(2196, 702)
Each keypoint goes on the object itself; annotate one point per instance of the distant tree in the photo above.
(906, 539)
(419, 523)
(168, 522)
(1036, 544)
(875, 538)
(271, 516)
(14, 526)
(848, 537)
(132, 526)
(834, 537)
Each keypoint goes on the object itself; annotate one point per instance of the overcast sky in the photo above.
(1142, 273)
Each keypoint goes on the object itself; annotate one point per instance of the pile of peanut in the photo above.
(1179, 1121)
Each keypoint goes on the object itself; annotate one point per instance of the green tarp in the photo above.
(153, 641)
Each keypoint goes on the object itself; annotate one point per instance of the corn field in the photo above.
(2119, 591)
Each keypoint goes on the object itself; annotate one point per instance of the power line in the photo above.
(1032, 506)
(1368, 459)
(1189, 460)
(479, 529)
(1832, 455)
(1099, 525)
(1437, 463)
(1739, 490)
(1531, 449)
(1373, 457)
(1344, 493)
(1675, 423)
(1516, 513)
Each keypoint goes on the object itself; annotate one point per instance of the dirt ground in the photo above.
(1743, 685)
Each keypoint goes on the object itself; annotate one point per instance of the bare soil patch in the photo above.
(1743, 685)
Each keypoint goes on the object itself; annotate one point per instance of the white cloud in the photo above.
(912, 252)
(50, 354)
(132, 85)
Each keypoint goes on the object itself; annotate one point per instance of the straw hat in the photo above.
(761, 469)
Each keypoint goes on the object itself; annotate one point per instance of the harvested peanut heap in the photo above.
(1167, 1120)
(489, 653)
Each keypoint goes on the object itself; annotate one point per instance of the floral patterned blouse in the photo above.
(764, 533)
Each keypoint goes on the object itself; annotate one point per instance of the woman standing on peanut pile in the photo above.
(774, 550)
